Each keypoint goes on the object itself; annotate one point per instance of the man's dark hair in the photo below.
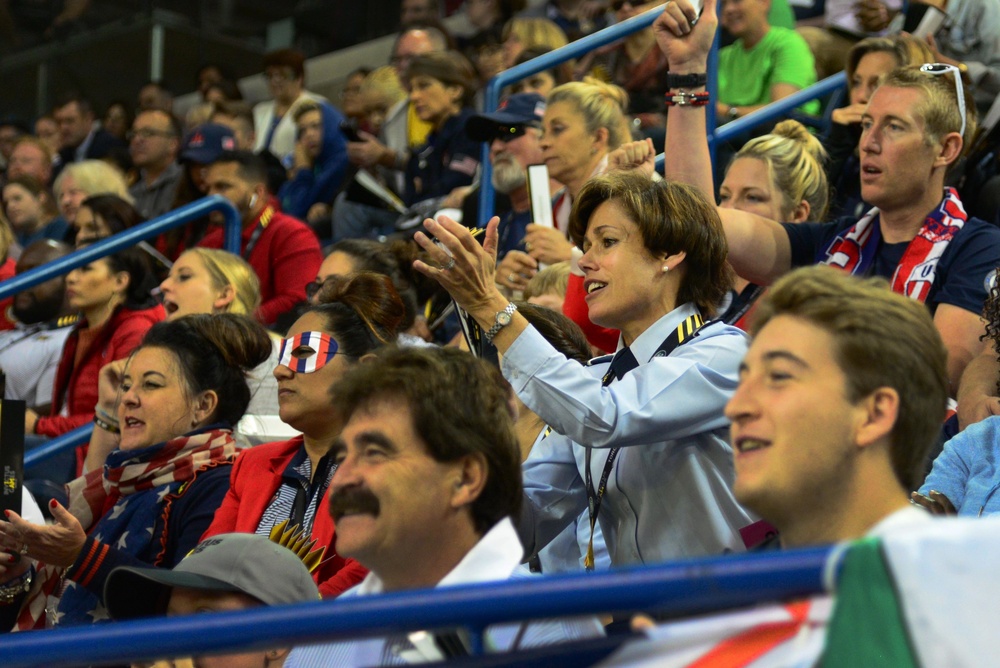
(291, 58)
(69, 97)
(459, 406)
(251, 167)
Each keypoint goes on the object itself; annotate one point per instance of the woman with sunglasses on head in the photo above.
(917, 234)
(288, 481)
(166, 428)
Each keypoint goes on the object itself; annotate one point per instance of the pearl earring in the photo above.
(666, 268)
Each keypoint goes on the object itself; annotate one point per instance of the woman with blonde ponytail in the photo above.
(778, 176)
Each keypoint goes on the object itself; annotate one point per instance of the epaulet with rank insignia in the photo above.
(64, 321)
(600, 360)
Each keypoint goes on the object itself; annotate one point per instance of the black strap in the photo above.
(623, 362)
(262, 223)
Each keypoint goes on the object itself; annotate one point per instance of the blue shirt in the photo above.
(962, 273)
(968, 470)
(670, 493)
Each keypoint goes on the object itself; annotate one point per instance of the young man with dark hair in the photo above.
(80, 133)
(841, 397)
(283, 251)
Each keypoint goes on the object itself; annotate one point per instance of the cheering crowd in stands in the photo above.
(676, 376)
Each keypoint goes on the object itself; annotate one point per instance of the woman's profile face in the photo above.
(748, 187)
(869, 73)
(567, 148)
(155, 405)
(433, 101)
(23, 209)
(90, 227)
(624, 282)
(189, 288)
(94, 285)
(304, 397)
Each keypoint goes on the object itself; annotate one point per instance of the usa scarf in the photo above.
(855, 250)
(119, 507)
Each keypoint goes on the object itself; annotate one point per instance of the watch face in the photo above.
(503, 318)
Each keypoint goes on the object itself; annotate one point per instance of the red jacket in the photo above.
(76, 386)
(285, 258)
(7, 318)
(575, 308)
(254, 481)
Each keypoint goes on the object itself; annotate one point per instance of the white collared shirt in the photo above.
(495, 557)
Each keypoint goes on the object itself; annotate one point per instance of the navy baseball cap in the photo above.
(206, 143)
(516, 111)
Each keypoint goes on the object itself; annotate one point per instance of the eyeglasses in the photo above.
(937, 69)
(148, 133)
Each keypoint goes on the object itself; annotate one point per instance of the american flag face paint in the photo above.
(307, 352)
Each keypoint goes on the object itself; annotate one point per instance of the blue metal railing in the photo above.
(109, 246)
(677, 589)
(544, 62)
(129, 238)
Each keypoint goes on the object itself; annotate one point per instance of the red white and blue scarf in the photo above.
(296, 356)
(855, 250)
(120, 506)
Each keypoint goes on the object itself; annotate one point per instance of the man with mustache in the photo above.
(514, 134)
(423, 495)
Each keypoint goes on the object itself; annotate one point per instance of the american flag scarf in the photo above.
(855, 250)
(120, 506)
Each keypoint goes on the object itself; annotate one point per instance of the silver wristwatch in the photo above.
(501, 320)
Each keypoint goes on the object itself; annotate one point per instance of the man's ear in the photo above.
(950, 149)
(879, 412)
(472, 473)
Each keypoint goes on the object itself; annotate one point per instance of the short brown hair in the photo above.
(671, 217)
(450, 68)
(477, 420)
(883, 339)
(291, 58)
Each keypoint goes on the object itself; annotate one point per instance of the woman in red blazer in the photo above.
(289, 480)
(113, 296)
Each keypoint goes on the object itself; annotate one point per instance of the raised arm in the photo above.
(759, 249)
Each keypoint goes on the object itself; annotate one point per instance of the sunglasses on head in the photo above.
(938, 69)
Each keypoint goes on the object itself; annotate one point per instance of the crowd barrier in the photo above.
(677, 589)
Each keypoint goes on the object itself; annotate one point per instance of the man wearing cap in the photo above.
(224, 573)
(514, 132)
(424, 497)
